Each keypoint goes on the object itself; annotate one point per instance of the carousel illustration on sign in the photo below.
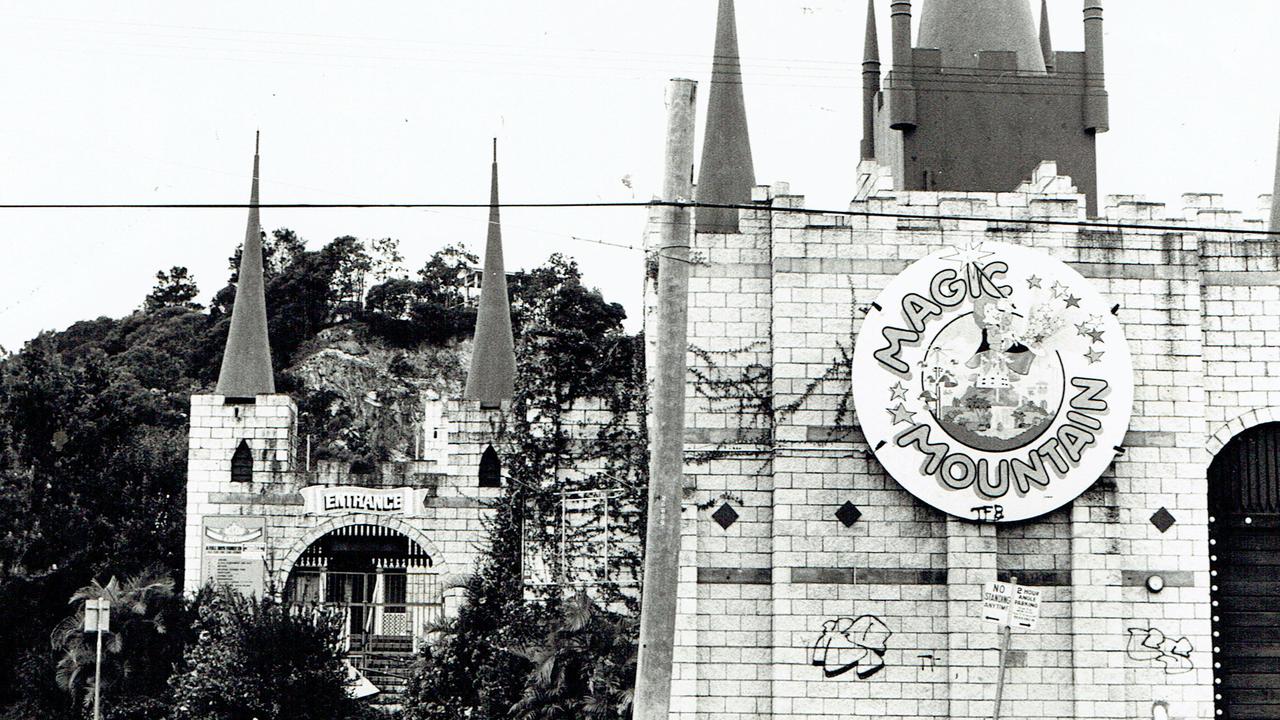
(992, 382)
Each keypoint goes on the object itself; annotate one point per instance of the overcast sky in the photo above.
(397, 102)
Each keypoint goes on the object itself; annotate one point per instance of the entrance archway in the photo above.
(1244, 554)
(384, 582)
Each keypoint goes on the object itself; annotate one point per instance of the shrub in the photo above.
(261, 659)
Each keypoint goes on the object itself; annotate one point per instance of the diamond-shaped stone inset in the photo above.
(1163, 520)
(725, 516)
(848, 514)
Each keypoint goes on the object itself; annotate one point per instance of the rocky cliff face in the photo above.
(361, 400)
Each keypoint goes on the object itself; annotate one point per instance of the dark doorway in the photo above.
(1244, 561)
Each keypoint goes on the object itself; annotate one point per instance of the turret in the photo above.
(1046, 38)
(1275, 200)
(726, 174)
(870, 83)
(1096, 112)
(962, 29)
(491, 379)
(246, 362)
(902, 98)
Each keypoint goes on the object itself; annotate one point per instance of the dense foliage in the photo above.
(517, 651)
(258, 658)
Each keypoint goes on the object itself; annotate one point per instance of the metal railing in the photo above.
(381, 610)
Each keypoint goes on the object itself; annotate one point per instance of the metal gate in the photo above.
(1244, 554)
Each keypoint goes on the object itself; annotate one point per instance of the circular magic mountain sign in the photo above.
(993, 382)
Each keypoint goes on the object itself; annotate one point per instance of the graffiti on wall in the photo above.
(1152, 645)
(855, 644)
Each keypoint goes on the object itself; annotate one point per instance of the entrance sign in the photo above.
(234, 553)
(993, 382)
(338, 499)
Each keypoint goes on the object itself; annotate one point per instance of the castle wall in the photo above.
(444, 511)
(758, 594)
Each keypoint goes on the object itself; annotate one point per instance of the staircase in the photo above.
(387, 661)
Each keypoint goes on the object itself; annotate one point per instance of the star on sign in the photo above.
(898, 392)
(1033, 282)
(1094, 356)
(1096, 335)
(1072, 301)
(1095, 320)
(1083, 329)
(967, 252)
(1059, 289)
(901, 414)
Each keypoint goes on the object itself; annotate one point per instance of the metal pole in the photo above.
(1004, 649)
(97, 671)
(666, 449)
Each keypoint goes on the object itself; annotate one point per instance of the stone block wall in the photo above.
(764, 600)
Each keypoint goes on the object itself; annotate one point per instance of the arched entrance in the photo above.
(1244, 554)
(385, 584)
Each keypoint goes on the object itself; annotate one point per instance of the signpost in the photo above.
(1009, 604)
(97, 619)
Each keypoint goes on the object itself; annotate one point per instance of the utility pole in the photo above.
(666, 446)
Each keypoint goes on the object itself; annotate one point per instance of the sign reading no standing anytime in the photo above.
(1009, 604)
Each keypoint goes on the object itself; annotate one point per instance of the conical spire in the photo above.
(1275, 200)
(726, 175)
(493, 359)
(1046, 38)
(963, 28)
(870, 83)
(246, 363)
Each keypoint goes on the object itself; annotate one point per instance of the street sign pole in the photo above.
(97, 680)
(97, 620)
(1005, 632)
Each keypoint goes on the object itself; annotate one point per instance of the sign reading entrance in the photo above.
(1012, 605)
(234, 553)
(328, 499)
(992, 382)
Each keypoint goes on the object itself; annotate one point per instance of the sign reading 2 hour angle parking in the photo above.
(993, 382)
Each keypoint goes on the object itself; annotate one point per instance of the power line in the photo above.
(1099, 224)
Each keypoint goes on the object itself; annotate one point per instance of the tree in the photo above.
(584, 667)
(445, 274)
(136, 657)
(259, 658)
(351, 264)
(387, 260)
(176, 288)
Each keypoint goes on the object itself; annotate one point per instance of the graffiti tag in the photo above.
(852, 643)
(1152, 645)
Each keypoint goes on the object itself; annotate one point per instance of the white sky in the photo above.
(158, 102)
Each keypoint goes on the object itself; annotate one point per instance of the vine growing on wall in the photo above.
(746, 391)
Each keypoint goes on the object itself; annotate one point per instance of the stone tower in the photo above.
(982, 99)
(491, 379)
(241, 439)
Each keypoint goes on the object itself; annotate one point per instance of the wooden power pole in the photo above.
(666, 445)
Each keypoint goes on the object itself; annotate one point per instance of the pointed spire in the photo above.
(963, 28)
(1275, 200)
(493, 360)
(871, 41)
(246, 363)
(1046, 38)
(870, 83)
(727, 174)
